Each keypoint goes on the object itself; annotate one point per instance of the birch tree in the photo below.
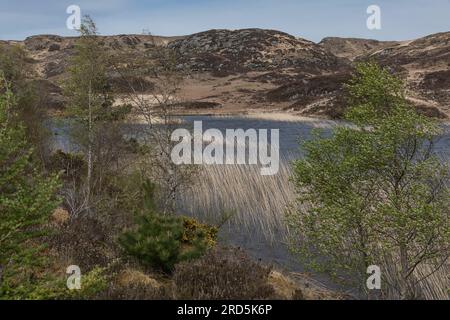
(375, 193)
(91, 105)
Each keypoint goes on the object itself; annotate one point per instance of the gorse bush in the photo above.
(222, 274)
(192, 229)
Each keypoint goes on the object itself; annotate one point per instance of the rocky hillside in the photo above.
(252, 50)
(430, 52)
(219, 51)
(351, 48)
(52, 53)
(266, 70)
(425, 64)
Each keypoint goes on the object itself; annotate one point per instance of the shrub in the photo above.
(92, 285)
(135, 291)
(27, 198)
(192, 229)
(161, 241)
(222, 274)
(84, 242)
(51, 287)
(71, 165)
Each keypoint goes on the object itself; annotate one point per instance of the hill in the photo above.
(236, 71)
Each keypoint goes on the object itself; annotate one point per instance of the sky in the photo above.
(310, 19)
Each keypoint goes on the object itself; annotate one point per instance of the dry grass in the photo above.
(257, 202)
(436, 286)
(431, 283)
(223, 273)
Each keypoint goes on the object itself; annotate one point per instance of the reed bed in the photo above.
(436, 286)
(256, 203)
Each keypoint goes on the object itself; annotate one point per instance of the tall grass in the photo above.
(257, 203)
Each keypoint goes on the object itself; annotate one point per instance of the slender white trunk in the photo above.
(89, 173)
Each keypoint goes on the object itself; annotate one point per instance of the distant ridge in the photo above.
(233, 70)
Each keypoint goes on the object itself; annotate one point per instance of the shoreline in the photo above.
(269, 115)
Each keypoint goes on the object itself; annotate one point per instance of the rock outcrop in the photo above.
(245, 50)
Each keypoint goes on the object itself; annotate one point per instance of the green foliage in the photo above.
(42, 288)
(158, 242)
(97, 130)
(16, 67)
(87, 88)
(161, 241)
(373, 192)
(27, 198)
(148, 195)
(93, 283)
(14, 63)
(372, 93)
(135, 193)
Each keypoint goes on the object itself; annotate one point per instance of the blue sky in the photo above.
(310, 19)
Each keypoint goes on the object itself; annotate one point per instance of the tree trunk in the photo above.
(407, 291)
(89, 173)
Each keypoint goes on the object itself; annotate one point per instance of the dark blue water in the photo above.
(291, 132)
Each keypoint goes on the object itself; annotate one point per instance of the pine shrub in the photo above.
(160, 241)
